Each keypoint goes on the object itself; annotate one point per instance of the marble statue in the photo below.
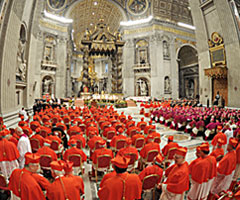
(165, 49)
(46, 85)
(21, 62)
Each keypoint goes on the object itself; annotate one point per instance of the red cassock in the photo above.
(75, 150)
(148, 147)
(106, 130)
(217, 153)
(8, 151)
(154, 169)
(135, 137)
(24, 185)
(116, 138)
(204, 170)
(54, 137)
(119, 186)
(177, 178)
(153, 135)
(128, 150)
(219, 135)
(13, 140)
(92, 129)
(147, 128)
(93, 140)
(168, 146)
(192, 164)
(99, 152)
(81, 138)
(106, 177)
(131, 129)
(227, 164)
(47, 151)
(238, 153)
(73, 187)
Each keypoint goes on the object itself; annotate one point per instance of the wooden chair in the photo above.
(139, 143)
(82, 127)
(55, 146)
(103, 164)
(79, 144)
(77, 163)
(150, 157)
(151, 130)
(54, 120)
(118, 126)
(4, 191)
(150, 182)
(168, 159)
(121, 143)
(122, 119)
(131, 164)
(110, 135)
(157, 140)
(133, 132)
(43, 133)
(142, 126)
(35, 144)
(45, 161)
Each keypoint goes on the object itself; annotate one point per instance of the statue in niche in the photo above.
(47, 52)
(142, 56)
(21, 62)
(165, 49)
(143, 88)
(46, 86)
(167, 85)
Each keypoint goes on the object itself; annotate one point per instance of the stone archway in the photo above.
(188, 72)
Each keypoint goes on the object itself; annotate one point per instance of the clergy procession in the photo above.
(45, 156)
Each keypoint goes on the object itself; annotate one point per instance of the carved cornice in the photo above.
(217, 72)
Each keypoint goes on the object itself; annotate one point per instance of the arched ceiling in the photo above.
(87, 13)
(173, 10)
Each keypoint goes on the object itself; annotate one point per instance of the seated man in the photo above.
(146, 149)
(74, 151)
(46, 150)
(177, 182)
(129, 150)
(153, 169)
(116, 138)
(169, 146)
(99, 152)
(123, 185)
(63, 187)
(25, 183)
(79, 137)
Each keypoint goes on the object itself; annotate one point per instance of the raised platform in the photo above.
(131, 103)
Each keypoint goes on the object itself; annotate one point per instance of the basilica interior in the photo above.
(159, 48)
(142, 50)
